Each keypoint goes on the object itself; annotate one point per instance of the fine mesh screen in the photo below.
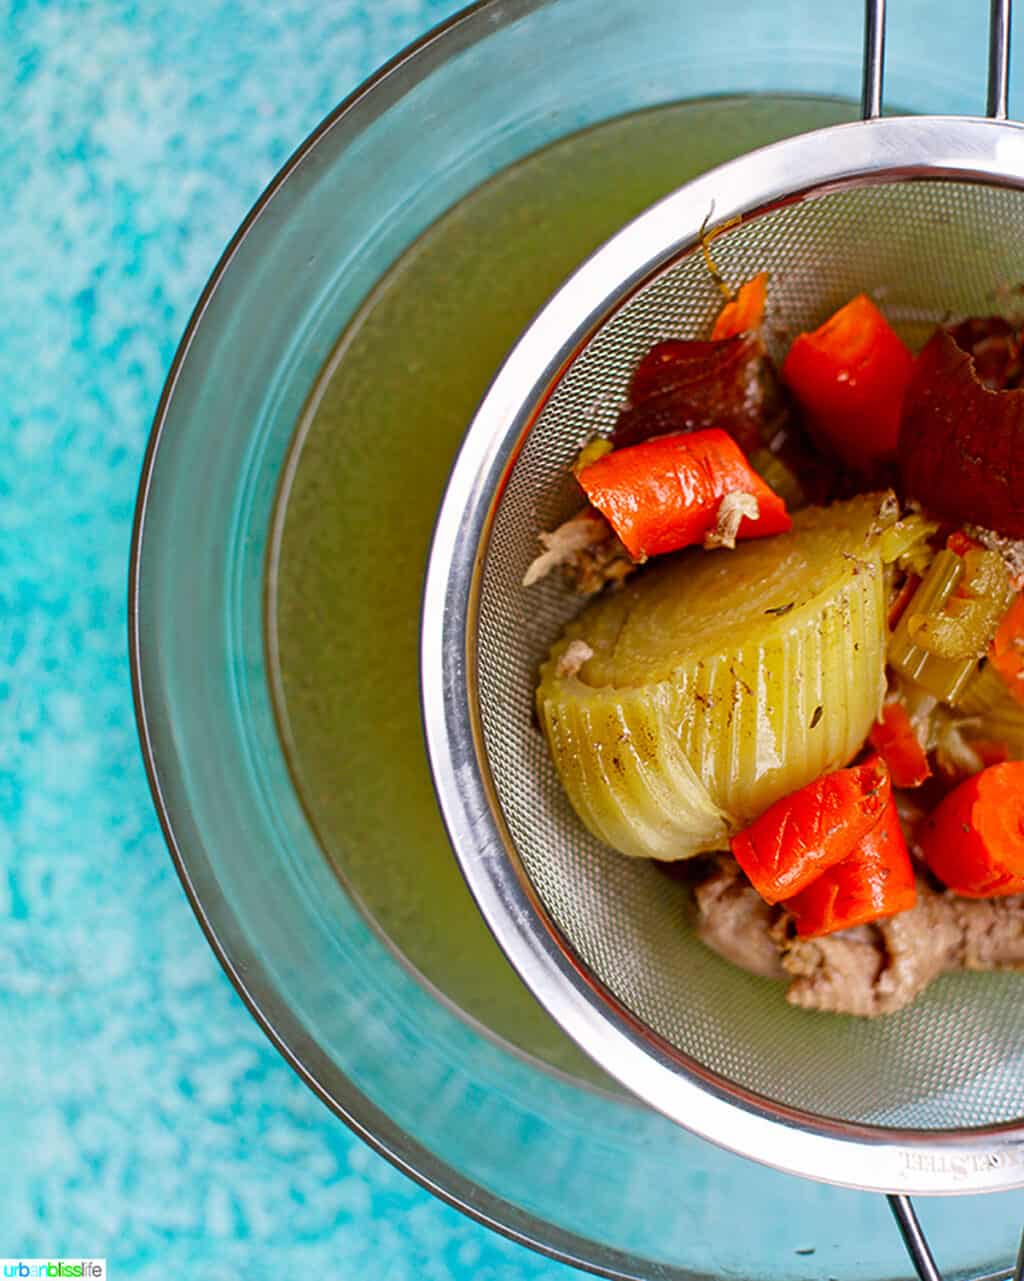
(924, 250)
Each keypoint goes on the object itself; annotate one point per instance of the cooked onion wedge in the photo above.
(719, 683)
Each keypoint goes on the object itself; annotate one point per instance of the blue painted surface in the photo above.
(143, 1116)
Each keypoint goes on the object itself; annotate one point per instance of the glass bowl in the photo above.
(548, 1155)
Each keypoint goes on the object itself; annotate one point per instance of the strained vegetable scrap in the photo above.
(1007, 652)
(974, 840)
(849, 377)
(812, 829)
(745, 313)
(874, 881)
(667, 493)
(806, 664)
(893, 736)
(699, 706)
(962, 444)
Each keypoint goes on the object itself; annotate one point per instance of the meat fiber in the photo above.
(872, 969)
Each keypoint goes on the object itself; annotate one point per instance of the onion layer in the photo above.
(961, 445)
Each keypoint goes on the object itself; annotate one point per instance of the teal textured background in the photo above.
(143, 1116)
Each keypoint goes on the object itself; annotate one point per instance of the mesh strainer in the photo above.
(926, 213)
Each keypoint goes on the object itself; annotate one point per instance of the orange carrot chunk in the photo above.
(804, 834)
(745, 312)
(892, 735)
(849, 377)
(666, 493)
(874, 882)
(974, 840)
(1006, 653)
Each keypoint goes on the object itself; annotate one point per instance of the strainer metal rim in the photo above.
(872, 1158)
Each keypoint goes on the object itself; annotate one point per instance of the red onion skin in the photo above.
(691, 385)
(961, 446)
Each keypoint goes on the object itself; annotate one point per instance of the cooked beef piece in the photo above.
(874, 969)
(869, 970)
(602, 563)
(991, 930)
(736, 922)
(588, 550)
(839, 973)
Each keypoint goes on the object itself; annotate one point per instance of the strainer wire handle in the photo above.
(1018, 1269)
(917, 1244)
(914, 1238)
(874, 59)
(998, 59)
